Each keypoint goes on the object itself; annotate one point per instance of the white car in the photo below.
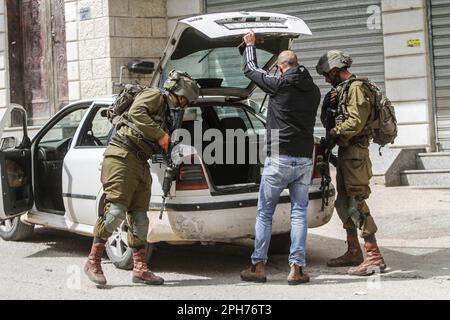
(54, 179)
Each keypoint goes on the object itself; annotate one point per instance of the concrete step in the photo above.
(433, 161)
(422, 178)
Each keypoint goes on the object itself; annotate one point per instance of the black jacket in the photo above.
(294, 100)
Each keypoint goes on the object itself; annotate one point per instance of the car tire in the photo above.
(280, 244)
(15, 230)
(118, 251)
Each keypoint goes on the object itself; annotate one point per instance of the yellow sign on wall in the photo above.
(413, 43)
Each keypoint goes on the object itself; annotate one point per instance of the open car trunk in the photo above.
(231, 176)
(233, 164)
(209, 48)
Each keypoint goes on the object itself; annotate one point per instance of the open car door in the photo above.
(15, 165)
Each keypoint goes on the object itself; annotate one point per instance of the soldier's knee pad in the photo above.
(115, 216)
(139, 224)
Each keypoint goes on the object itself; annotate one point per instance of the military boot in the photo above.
(297, 276)
(256, 273)
(352, 257)
(93, 267)
(373, 263)
(141, 272)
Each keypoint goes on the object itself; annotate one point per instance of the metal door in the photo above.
(440, 29)
(353, 26)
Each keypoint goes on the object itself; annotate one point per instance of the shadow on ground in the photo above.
(59, 243)
(221, 263)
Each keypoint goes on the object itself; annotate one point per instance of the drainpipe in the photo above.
(436, 145)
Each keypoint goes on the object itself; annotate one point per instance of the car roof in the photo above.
(109, 99)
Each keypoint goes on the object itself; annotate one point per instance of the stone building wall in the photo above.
(177, 9)
(88, 61)
(103, 35)
(138, 29)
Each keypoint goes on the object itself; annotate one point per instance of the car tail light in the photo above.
(191, 177)
(318, 157)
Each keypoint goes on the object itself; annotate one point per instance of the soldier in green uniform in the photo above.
(126, 175)
(354, 168)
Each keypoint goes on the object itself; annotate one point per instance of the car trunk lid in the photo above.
(206, 46)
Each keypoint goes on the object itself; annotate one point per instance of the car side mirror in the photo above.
(8, 143)
(141, 66)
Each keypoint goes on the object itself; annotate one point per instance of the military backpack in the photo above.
(383, 122)
(123, 102)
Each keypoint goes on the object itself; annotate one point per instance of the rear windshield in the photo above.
(220, 67)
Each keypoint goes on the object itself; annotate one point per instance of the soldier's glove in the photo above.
(330, 100)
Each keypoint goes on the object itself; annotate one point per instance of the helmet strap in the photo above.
(173, 97)
(178, 101)
(336, 79)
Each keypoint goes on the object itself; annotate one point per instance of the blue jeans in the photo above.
(280, 173)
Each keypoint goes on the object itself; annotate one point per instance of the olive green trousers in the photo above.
(354, 172)
(127, 185)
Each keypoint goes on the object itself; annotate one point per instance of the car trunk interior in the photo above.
(229, 174)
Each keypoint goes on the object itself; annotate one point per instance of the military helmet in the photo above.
(182, 84)
(333, 59)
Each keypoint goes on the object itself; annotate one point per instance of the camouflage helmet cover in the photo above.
(333, 59)
(182, 84)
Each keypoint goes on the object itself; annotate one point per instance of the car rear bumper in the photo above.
(228, 220)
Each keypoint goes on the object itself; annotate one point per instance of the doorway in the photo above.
(37, 57)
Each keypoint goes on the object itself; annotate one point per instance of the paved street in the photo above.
(414, 233)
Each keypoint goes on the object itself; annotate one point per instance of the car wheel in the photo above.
(15, 230)
(280, 244)
(118, 251)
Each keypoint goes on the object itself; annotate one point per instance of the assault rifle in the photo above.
(330, 108)
(170, 173)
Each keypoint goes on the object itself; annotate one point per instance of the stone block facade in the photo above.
(103, 35)
(87, 39)
(138, 30)
(181, 9)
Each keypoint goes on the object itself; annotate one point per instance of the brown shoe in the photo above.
(256, 273)
(353, 256)
(373, 263)
(93, 267)
(141, 272)
(297, 276)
